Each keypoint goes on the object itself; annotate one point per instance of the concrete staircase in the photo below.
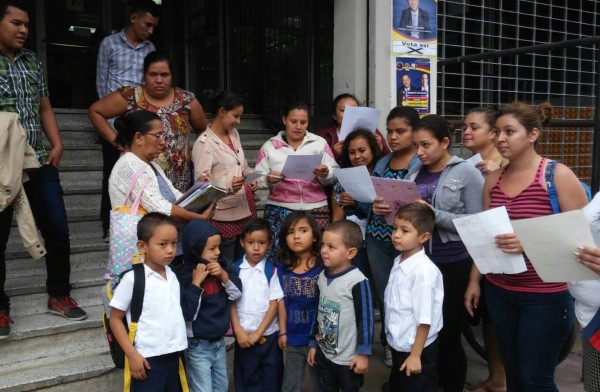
(45, 352)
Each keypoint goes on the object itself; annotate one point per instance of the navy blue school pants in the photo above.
(258, 368)
(163, 375)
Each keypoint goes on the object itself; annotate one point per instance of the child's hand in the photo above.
(199, 274)
(282, 342)
(215, 269)
(412, 365)
(253, 338)
(360, 364)
(311, 358)
(243, 339)
(137, 366)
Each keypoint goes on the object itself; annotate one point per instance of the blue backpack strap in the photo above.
(269, 270)
(551, 186)
(237, 266)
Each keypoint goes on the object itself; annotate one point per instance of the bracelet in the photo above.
(282, 334)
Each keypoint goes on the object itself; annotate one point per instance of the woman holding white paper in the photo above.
(532, 319)
(360, 149)
(331, 133)
(218, 155)
(288, 194)
(452, 188)
(479, 137)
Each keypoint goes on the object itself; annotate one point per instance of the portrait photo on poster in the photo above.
(415, 20)
(413, 83)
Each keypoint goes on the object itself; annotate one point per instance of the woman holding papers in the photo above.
(290, 194)
(381, 253)
(218, 155)
(141, 135)
(532, 319)
(332, 132)
(587, 301)
(452, 188)
(478, 136)
(360, 149)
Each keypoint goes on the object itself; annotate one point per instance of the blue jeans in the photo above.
(46, 200)
(531, 329)
(206, 365)
(381, 256)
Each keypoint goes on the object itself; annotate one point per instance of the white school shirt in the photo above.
(413, 296)
(161, 328)
(256, 294)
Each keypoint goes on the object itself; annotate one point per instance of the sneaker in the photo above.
(5, 322)
(66, 307)
(388, 357)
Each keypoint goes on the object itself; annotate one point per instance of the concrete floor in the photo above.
(568, 373)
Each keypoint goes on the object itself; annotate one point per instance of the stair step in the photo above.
(81, 155)
(70, 374)
(79, 245)
(78, 175)
(84, 226)
(80, 261)
(18, 354)
(44, 324)
(82, 197)
(28, 294)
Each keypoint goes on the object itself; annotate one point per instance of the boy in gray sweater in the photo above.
(343, 332)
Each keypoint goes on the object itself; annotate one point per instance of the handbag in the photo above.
(123, 232)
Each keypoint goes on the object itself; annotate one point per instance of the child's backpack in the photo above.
(137, 300)
(549, 177)
(269, 269)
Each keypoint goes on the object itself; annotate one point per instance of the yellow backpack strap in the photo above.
(182, 377)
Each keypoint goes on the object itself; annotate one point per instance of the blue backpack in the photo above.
(549, 176)
(269, 269)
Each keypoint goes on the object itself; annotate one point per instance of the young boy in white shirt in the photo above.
(413, 303)
(258, 360)
(161, 333)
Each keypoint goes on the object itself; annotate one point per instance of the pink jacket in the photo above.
(212, 156)
(295, 194)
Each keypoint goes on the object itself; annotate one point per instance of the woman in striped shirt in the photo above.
(531, 318)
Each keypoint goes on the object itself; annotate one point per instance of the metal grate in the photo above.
(565, 77)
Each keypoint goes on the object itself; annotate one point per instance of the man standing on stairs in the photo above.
(23, 90)
(120, 63)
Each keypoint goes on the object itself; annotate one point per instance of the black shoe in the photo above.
(5, 322)
(106, 237)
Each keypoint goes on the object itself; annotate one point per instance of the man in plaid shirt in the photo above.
(23, 90)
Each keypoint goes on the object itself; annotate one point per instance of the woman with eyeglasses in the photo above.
(141, 134)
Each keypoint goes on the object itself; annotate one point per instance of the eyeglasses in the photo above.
(160, 136)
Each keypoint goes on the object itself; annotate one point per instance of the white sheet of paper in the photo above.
(253, 176)
(301, 167)
(358, 117)
(477, 232)
(550, 241)
(475, 159)
(357, 182)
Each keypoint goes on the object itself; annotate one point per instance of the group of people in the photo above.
(294, 288)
